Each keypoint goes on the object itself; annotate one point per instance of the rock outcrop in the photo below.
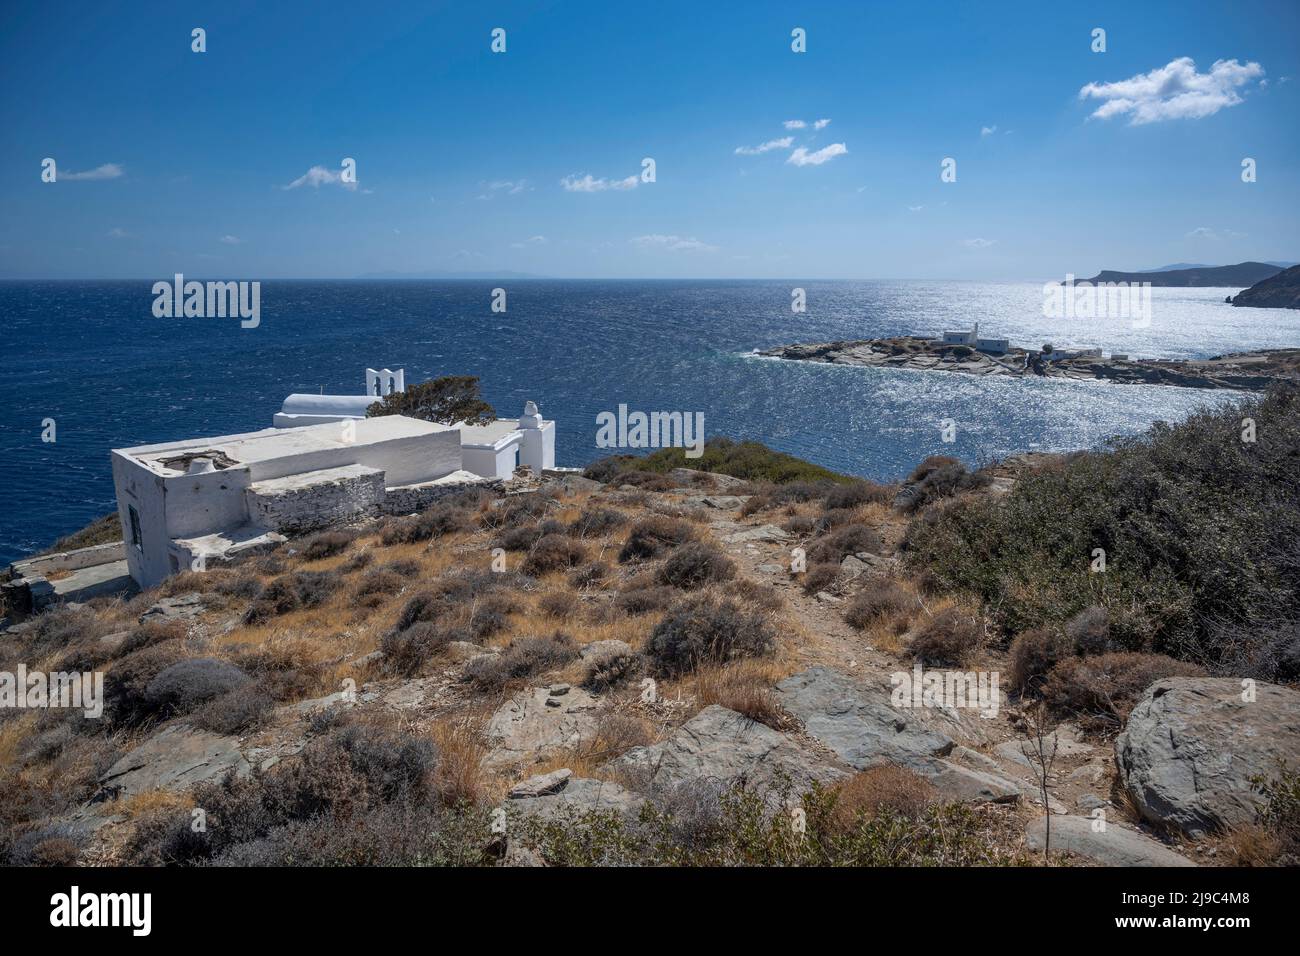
(1281, 291)
(857, 722)
(721, 745)
(1192, 746)
(1112, 846)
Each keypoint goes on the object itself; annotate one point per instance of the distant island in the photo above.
(1241, 275)
(1281, 291)
(1247, 371)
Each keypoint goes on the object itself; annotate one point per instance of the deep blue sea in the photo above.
(92, 356)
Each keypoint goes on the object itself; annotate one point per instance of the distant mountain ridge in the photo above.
(1281, 291)
(1239, 276)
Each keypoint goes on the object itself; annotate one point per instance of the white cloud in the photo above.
(978, 243)
(915, 208)
(988, 130)
(821, 124)
(801, 156)
(319, 176)
(1205, 232)
(1173, 91)
(794, 124)
(589, 184)
(783, 143)
(118, 233)
(505, 187)
(230, 240)
(530, 241)
(107, 171)
(673, 243)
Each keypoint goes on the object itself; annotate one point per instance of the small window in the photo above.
(135, 526)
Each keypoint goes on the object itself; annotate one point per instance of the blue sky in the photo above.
(175, 161)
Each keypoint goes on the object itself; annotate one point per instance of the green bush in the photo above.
(1198, 527)
(750, 460)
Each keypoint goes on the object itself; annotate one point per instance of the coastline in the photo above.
(1244, 371)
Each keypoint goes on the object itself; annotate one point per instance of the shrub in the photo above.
(442, 519)
(799, 524)
(850, 539)
(589, 575)
(326, 545)
(408, 650)
(704, 629)
(857, 493)
(1099, 692)
(820, 576)
(758, 595)
(608, 672)
(749, 460)
(559, 604)
(835, 518)
(1033, 654)
(150, 634)
(183, 686)
(1089, 630)
(947, 638)
(524, 537)
(938, 477)
(694, 565)
(595, 522)
(555, 552)
(1274, 838)
(126, 683)
(877, 599)
(651, 535)
(236, 712)
(645, 600)
(884, 790)
(525, 657)
(1198, 527)
(358, 562)
(380, 581)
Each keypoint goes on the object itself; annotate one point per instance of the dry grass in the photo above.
(883, 789)
(459, 778)
(745, 687)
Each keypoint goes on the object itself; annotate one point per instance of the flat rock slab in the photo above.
(1192, 745)
(763, 532)
(579, 795)
(179, 608)
(1115, 846)
(178, 757)
(541, 785)
(535, 723)
(857, 722)
(721, 745)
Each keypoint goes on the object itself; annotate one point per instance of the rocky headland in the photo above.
(1247, 371)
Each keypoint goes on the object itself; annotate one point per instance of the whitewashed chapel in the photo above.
(186, 503)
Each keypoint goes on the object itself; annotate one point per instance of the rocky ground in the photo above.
(549, 739)
(1247, 371)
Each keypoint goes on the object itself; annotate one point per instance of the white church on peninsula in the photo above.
(185, 504)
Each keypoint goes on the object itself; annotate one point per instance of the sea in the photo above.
(90, 359)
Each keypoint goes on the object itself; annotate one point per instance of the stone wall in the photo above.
(303, 503)
(414, 498)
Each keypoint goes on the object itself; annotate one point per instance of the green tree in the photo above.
(450, 399)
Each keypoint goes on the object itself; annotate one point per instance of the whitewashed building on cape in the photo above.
(184, 504)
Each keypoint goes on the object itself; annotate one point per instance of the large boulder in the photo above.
(1192, 746)
(1112, 846)
(721, 745)
(864, 730)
